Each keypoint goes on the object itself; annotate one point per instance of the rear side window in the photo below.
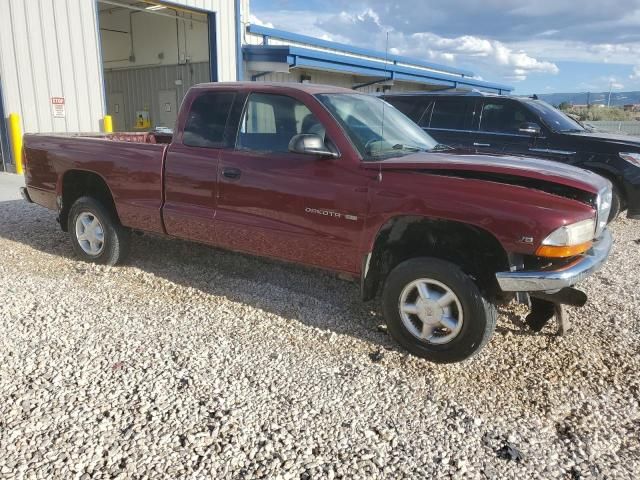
(412, 107)
(452, 114)
(207, 120)
(503, 117)
(270, 121)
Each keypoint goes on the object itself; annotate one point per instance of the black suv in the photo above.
(486, 123)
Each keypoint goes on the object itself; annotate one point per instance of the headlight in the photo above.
(631, 158)
(569, 240)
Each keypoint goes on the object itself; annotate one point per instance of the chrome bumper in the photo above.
(566, 276)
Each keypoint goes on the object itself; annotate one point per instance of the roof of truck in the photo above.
(311, 88)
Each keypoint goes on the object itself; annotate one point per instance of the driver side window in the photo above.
(270, 121)
(503, 117)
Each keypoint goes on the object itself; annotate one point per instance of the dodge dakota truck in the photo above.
(331, 178)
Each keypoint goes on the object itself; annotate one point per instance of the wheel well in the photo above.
(79, 183)
(474, 250)
(614, 180)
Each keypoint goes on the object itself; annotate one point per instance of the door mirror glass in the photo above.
(530, 128)
(310, 144)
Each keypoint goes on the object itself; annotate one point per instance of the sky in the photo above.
(540, 46)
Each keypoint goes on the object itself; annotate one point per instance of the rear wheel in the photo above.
(436, 311)
(96, 234)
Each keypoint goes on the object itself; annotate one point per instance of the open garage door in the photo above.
(151, 54)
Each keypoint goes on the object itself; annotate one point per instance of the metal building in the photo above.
(65, 64)
(53, 72)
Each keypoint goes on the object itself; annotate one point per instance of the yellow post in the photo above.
(108, 124)
(15, 132)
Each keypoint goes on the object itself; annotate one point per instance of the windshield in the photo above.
(376, 128)
(554, 118)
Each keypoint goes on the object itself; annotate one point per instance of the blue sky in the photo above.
(538, 47)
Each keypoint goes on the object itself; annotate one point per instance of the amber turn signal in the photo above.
(564, 251)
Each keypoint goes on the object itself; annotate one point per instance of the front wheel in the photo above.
(436, 311)
(96, 234)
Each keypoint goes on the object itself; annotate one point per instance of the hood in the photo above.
(619, 139)
(525, 171)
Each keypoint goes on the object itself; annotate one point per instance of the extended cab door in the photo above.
(452, 121)
(499, 131)
(191, 166)
(297, 207)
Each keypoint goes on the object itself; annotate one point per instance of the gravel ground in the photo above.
(192, 362)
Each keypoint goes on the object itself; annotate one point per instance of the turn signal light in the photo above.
(564, 251)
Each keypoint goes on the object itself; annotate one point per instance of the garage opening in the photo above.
(151, 54)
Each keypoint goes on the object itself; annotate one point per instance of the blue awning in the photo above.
(395, 67)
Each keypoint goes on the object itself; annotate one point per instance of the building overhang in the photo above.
(316, 54)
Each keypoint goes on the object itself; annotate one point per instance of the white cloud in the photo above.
(366, 28)
(577, 51)
(256, 21)
(516, 65)
(635, 75)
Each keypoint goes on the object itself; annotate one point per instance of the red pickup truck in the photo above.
(332, 178)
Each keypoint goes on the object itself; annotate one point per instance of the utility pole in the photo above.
(609, 100)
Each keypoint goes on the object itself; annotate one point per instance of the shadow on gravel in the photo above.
(310, 296)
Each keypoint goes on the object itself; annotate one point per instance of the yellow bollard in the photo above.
(108, 124)
(15, 133)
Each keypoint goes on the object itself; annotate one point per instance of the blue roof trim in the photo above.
(295, 37)
(305, 57)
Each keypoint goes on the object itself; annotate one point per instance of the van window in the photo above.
(503, 117)
(452, 114)
(412, 107)
(207, 120)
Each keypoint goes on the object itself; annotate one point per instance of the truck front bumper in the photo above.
(556, 279)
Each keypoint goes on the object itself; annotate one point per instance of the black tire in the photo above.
(116, 237)
(616, 204)
(479, 316)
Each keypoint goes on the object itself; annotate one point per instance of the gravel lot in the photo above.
(193, 362)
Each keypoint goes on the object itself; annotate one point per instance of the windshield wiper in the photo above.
(572, 130)
(441, 147)
(409, 148)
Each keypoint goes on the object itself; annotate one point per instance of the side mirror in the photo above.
(309, 144)
(529, 128)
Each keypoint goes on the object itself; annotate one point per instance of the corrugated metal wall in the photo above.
(141, 86)
(50, 48)
(226, 33)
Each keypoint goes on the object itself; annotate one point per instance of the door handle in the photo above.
(475, 144)
(232, 173)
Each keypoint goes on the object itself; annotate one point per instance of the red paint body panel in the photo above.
(132, 171)
(316, 211)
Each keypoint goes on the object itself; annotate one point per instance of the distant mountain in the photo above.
(617, 98)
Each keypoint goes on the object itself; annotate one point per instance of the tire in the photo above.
(616, 204)
(478, 316)
(115, 238)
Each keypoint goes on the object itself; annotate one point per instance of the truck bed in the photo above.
(132, 163)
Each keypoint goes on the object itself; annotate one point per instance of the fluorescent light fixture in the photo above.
(155, 7)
